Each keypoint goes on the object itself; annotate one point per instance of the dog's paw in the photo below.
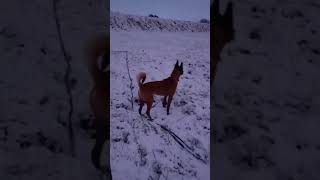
(144, 116)
(105, 169)
(106, 172)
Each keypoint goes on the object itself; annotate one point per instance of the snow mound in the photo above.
(125, 22)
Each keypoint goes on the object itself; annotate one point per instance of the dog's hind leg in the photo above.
(149, 105)
(164, 102)
(101, 137)
(141, 106)
(169, 103)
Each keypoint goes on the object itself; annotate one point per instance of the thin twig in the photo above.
(67, 59)
(128, 69)
(131, 86)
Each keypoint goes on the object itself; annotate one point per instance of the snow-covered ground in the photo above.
(34, 141)
(141, 149)
(268, 93)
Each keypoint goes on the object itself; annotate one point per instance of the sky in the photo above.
(191, 10)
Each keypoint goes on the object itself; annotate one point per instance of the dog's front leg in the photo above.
(169, 103)
(164, 102)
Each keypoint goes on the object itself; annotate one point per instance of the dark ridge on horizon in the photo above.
(147, 15)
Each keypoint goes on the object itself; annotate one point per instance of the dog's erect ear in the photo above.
(215, 8)
(228, 15)
(104, 62)
(177, 64)
(181, 68)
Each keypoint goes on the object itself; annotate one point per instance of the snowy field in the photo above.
(34, 141)
(141, 149)
(267, 96)
(267, 93)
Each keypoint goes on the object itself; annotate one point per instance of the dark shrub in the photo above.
(204, 21)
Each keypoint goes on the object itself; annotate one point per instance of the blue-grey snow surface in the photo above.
(34, 141)
(266, 109)
(267, 93)
(141, 149)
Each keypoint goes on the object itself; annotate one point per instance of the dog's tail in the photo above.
(141, 77)
(97, 46)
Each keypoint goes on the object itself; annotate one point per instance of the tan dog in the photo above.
(166, 88)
